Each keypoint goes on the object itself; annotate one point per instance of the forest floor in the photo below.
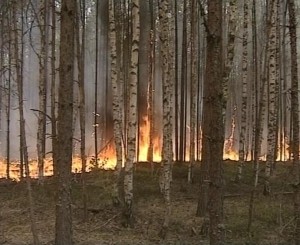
(273, 221)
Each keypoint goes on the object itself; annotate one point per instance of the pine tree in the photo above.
(63, 226)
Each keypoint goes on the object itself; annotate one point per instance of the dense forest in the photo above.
(149, 122)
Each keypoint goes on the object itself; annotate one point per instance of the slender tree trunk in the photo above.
(151, 77)
(182, 134)
(167, 150)
(193, 89)
(63, 234)
(117, 113)
(53, 87)
(242, 144)
(19, 79)
(43, 63)
(273, 81)
(260, 105)
(177, 133)
(96, 124)
(80, 44)
(9, 21)
(132, 115)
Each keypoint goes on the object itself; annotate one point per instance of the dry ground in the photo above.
(273, 219)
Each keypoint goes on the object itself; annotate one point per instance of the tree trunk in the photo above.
(43, 22)
(242, 144)
(53, 87)
(273, 93)
(132, 115)
(10, 51)
(182, 135)
(193, 89)
(213, 121)
(117, 113)
(63, 234)
(96, 123)
(295, 114)
(151, 78)
(167, 150)
(80, 45)
(19, 79)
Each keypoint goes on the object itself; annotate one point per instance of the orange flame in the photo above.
(107, 156)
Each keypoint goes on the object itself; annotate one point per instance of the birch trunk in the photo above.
(117, 113)
(132, 115)
(167, 151)
(273, 81)
(232, 20)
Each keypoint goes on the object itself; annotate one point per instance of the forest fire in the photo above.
(107, 155)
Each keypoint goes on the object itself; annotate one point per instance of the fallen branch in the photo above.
(107, 222)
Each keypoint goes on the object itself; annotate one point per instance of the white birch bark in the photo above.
(117, 116)
(273, 80)
(167, 151)
(132, 116)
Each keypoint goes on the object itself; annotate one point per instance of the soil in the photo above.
(273, 221)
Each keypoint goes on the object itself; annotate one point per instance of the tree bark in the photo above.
(167, 88)
(295, 114)
(273, 93)
(132, 115)
(117, 112)
(242, 142)
(63, 225)
(19, 79)
(213, 121)
(80, 45)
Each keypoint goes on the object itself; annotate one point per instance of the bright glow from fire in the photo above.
(107, 156)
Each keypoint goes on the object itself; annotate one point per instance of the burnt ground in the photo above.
(273, 215)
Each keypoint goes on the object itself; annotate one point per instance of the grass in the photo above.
(272, 222)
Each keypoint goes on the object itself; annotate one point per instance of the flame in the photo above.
(229, 152)
(107, 157)
(144, 142)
